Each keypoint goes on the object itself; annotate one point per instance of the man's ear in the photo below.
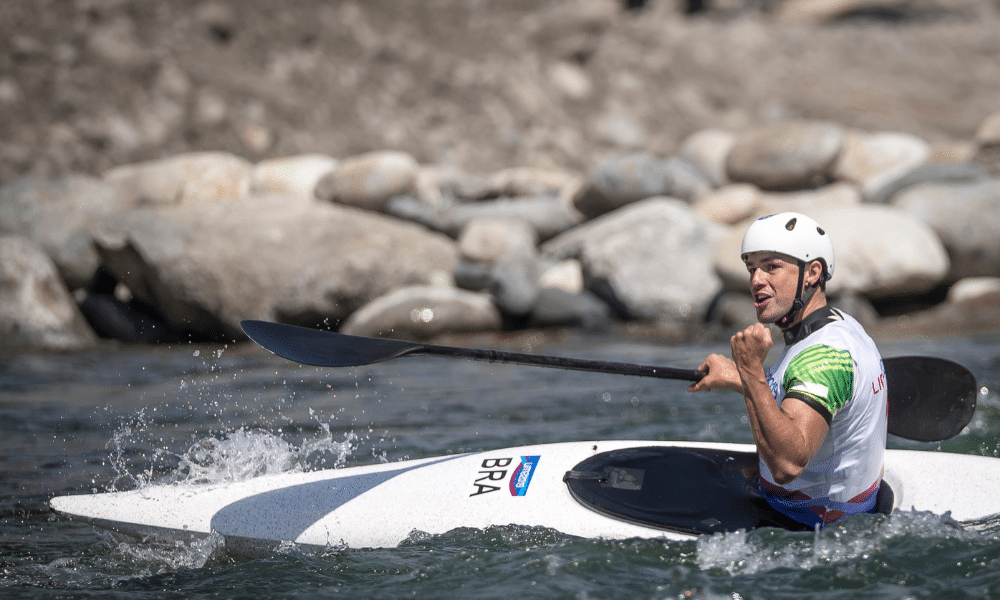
(814, 273)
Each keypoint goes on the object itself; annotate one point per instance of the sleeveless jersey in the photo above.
(838, 371)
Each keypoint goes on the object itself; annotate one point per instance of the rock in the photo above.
(369, 180)
(707, 149)
(571, 80)
(736, 203)
(975, 291)
(507, 250)
(835, 195)
(116, 43)
(420, 313)
(880, 252)
(928, 173)
(650, 260)
(547, 215)
(988, 144)
(294, 176)
(618, 126)
(989, 130)
(473, 276)
(556, 307)
(824, 11)
(857, 306)
(113, 319)
(488, 240)
(56, 214)
(440, 185)
(734, 310)
(515, 285)
(966, 216)
(529, 181)
(633, 177)
(870, 160)
(566, 275)
(972, 308)
(730, 204)
(206, 267)
(509, 247)
(193, 178)
(37, 312)
(787, 156)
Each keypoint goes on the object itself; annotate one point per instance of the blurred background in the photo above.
(86, 85)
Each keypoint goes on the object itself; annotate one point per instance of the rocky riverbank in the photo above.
(420, 168)
(185, 247)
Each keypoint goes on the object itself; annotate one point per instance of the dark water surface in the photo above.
(121, 418)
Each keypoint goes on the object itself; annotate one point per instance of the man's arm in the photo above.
(787, 436)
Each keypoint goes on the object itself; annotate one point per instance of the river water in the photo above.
(117, 418)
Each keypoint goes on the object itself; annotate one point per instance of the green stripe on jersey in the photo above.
(822, 373)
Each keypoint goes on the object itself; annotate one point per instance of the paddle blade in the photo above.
(323, 348)
(930, 399)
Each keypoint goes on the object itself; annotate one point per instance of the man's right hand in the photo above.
(720, 373)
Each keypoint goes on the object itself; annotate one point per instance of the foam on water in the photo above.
(858, 538)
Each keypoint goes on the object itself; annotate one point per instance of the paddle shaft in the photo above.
(559, 362)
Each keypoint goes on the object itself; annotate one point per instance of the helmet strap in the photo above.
(797, 304)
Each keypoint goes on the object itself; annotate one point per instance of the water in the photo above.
(122, 418)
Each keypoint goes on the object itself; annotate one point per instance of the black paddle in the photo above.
(930, 399)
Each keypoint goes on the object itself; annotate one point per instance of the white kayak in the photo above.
(607, 489)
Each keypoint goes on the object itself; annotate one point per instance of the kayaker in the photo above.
(818, 415)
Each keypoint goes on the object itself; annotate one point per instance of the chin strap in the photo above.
(799, 302)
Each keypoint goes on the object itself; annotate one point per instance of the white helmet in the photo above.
(793, 234)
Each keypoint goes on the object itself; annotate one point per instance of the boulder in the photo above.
(439, 185)
(825, 11)
(633, 177)
(736, 203)
(880, 252)
(870, 160)
(56, 214)
(529, 181)
(488, 240)
(514, 281)
(975, 291)
(206, 267)
(730, 204)
(835, 195)
(944, 173)
(650, 260)
(191, 178)
(707, 149)
(972, 308)
(786, 156)
(547, 215)
(987, 144)
(422, 312)
(37, 312)
(566, 275)
(508, 248)
(556, 307)
(293, 176)
(369, 180)
(966, 217)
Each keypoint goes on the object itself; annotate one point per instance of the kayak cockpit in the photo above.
(688, 490)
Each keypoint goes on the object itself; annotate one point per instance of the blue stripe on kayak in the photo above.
(284, 514)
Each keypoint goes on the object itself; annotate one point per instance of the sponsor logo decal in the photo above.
(521, 478)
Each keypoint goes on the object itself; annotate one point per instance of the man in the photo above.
(819, 415)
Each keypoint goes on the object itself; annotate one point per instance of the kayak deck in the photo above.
(382, 505)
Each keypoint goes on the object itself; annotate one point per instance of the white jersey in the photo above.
(836, 368)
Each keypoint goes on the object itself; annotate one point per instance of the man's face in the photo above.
(774, 280)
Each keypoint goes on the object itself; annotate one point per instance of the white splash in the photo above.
(743, 553)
